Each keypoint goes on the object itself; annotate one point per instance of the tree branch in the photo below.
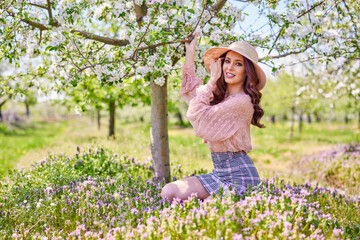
(37, 5)
(277, 38)
(147, 28)
(140, 12)
(298, 16)
(162, 44)
(49, 9)
(110, 41)
(87, 35)
(74, 62)
(352, 19)
(11, 31)
(218, 6)
(284, 55)
(3, 102)
(309, 10)
(83, 56)
(202, 12)
(95, 64)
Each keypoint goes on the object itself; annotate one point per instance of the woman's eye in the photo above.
(239, 64)
(227, 61)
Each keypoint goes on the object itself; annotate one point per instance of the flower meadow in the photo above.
(96, 194)
(338, 168)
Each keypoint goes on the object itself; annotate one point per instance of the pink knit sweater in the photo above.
(225, 127)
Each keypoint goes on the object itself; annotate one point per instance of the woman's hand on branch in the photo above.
(190, 50)
(190, 46)
(215, 70)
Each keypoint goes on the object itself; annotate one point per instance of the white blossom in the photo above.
(36, 83)
(129, 5)
(77, 110)
(291, 17)
(160, 81)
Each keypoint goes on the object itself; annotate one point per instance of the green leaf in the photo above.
(74, 83)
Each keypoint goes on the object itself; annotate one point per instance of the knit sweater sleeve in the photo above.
(189, 83)
(221, 121)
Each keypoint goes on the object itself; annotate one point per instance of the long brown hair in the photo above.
(251, 80)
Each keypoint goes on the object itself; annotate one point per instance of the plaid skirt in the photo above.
(231, 169)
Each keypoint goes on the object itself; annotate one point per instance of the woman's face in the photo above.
(233, 68)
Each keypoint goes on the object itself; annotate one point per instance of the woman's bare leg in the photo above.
(184, 188)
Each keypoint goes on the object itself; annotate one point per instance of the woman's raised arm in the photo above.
(190, 51)
(189, 80)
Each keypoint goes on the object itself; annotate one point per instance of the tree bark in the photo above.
(309, 118)
(272, 118)
(159, 132)
(292, 121)
(98, 115)
(1, 105)
(285, 117)
(301, 122)
(180, 118)
(27, 110)
(112, 119)
(317, 117)
(1, 116)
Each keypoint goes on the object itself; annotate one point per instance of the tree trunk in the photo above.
(317, 117)
(179, 117)
(309, 118)
(1, 105)
(27, 110)
(112, 119)
(98, 114)
(159, 132)
(285, 117)
(301, 122)
(272, 118)
(292, 121)
(346, 119)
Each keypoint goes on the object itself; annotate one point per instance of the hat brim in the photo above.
(216, 52)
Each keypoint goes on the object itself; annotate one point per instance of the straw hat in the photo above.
(243, 48)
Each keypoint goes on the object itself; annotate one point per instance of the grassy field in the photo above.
(97, 194)
(83, 192)
(16, 142)
(273, 152)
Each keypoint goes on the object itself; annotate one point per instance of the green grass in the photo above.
(100, 194)
(17, 141)
(273, 152)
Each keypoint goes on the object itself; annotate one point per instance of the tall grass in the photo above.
(97, 194)
(16, 141)
(273, 152)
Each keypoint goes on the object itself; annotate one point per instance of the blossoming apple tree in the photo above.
(116, 40)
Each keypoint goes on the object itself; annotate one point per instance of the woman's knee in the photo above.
(169, 191)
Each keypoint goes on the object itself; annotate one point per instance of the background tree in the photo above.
(90, 94)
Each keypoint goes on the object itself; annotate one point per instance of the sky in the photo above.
(254, 20)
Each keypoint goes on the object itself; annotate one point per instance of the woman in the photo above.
(221, 112)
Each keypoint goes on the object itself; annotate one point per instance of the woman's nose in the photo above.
(230, 66)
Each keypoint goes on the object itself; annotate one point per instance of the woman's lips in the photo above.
(230, 75)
